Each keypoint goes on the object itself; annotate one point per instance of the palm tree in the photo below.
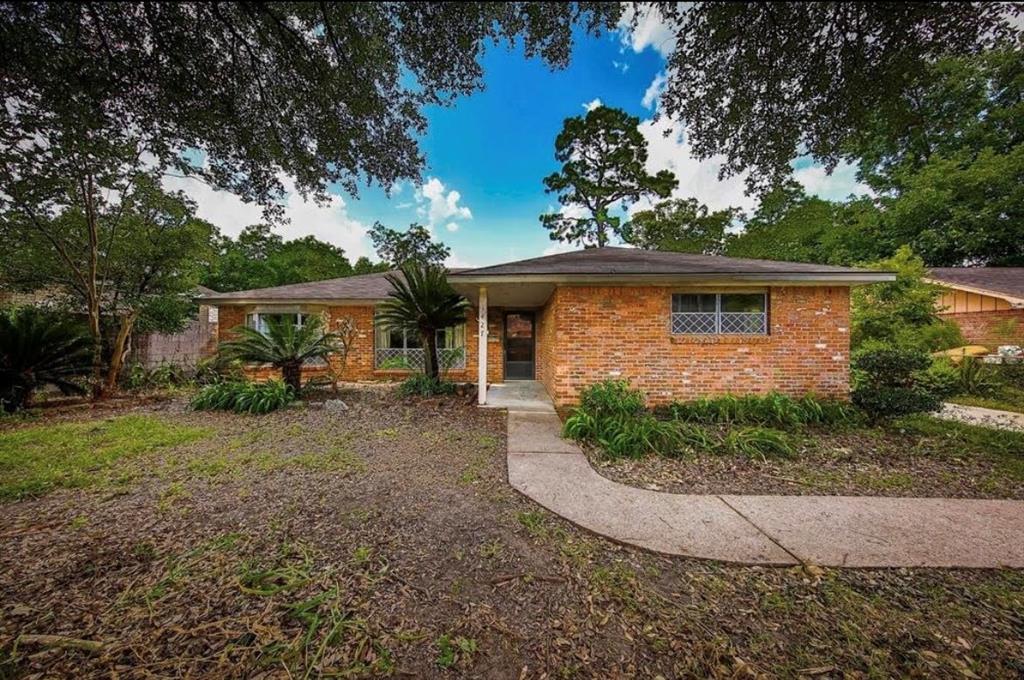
(36, 349)
(422, 301)
(286, 345)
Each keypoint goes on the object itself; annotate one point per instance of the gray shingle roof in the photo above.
(626, 261)
(1006, 280)
(361, 287)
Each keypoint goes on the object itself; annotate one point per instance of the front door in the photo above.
(519, 345)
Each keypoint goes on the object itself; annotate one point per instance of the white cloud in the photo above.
(651, 30)
(557, 247)
(620, 66)
(455, 262)
(437, 204)
(653, 92)
(451, 226)
(592, 104)
(835, 187)
(330, 222)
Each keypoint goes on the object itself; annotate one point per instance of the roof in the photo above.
(359, 287)
(611, 261)
(997, 281)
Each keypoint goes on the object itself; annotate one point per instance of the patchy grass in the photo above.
(38, 459)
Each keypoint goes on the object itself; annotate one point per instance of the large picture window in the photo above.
(403, 350)
(259, 321)
(720, 313)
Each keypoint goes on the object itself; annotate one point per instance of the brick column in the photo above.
(481, 358)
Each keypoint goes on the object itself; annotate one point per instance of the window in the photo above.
(259, 321)
(714, 313)
(403, 350)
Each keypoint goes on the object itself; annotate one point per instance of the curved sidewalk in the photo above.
(852, 531)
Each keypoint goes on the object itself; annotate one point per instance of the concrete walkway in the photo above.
(781, 530)
(986, 417)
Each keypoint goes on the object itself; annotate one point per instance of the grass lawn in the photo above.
(1001, 403)
(384, 540)
(916, 456)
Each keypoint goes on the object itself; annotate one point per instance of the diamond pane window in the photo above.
(717, 313)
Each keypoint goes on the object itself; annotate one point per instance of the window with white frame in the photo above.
(720, 313)
(403, 350)
(259, 320)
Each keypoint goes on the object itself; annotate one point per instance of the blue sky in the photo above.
(488, 154)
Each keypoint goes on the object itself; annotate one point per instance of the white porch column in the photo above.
(481, 353)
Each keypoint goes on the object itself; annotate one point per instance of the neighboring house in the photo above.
(986, 302)
(678, 326)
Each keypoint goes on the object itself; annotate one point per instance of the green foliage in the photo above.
(163, 376)
(758, 442)
(286, 346)
(603, 157)
(323, 94)
(259, 258)
(763, 84)
(451, 651)
(244, 397)
(35, 460)
(942, 378)
(680, 225)
(888, 383)
(216, 369)
(395, 364)
(773, 409)
(611, 398)
(901, 312)
(975, 377)
(38, 349)
(425, 386)
(423, 302)
(398, 247)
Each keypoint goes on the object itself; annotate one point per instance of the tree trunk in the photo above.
(93, 289)
(97, 345)
(430, 360)
(291, 373)
(117, 357)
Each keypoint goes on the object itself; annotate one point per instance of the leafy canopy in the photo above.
(681, 225)
(604, 158)
(398, 247)
(324, 93)
(762, 83)
(422, 301)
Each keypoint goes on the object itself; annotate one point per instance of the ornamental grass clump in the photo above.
(770, 410)
(244, 397)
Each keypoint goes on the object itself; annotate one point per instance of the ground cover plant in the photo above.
(244, 396)
(388, 543)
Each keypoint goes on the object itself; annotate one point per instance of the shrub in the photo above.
(163, 376)
(941, 379)
(217, 369)
(889, 384)
(975, 377)
(758, 442)
(425, 386)
(244, 397)
(38, 348)
(611, 398)
(777, 410)
(395, 364)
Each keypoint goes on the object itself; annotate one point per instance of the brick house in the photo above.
(676, 325)
(986, 302)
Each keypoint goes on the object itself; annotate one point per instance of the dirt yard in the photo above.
(384, 540)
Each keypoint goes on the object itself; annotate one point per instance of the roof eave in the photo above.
(1012, 299)
(842, 278)
(340, 302)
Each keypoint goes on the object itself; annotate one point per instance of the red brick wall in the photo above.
(991, 329)
(623, 332)
(546, 347)
(360, 363)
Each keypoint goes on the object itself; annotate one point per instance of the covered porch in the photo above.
(508, 318)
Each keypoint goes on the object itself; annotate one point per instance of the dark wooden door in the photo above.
(519, 345)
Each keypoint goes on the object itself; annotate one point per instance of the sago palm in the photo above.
(285, 345)
(421, 301)
(37, 349)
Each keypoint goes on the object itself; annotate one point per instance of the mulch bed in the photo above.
(413, 557)
(856, 462)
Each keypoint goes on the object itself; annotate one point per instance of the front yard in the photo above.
(383, 539)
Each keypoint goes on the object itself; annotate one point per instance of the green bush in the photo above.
(758, 442)
(217, 369)
(244, 397)
(611, 398)
(774, 409)
(634, 436)
(163, 376)
(976, 377)
(889, 383)
(941, 379)
(425, 386)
